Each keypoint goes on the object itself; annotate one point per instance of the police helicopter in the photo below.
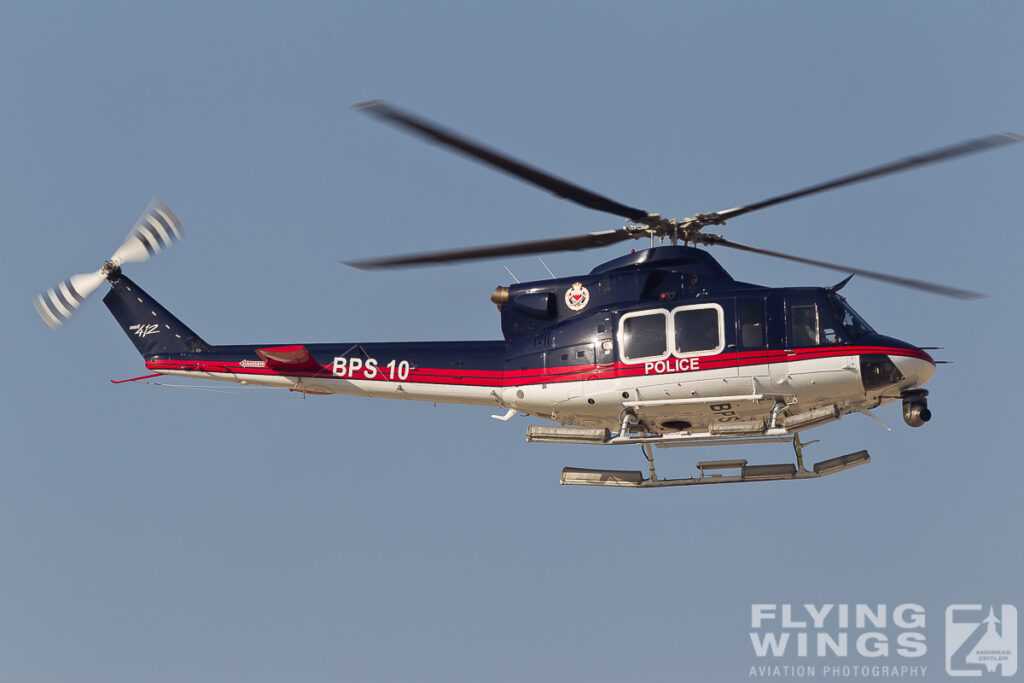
(660, 347)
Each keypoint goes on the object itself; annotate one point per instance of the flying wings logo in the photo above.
(879, 640)
(981, 641)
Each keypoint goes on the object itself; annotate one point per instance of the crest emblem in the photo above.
(577, 297)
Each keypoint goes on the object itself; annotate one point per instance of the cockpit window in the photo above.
(853, 324)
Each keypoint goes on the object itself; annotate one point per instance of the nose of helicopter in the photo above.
(916, 366)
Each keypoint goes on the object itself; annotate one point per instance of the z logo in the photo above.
(144, 330)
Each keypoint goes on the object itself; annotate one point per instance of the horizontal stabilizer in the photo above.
(288, 358)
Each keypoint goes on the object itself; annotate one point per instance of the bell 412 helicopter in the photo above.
(659, 347)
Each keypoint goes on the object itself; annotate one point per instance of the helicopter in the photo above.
(660, 347)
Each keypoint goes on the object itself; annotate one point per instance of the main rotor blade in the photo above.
(954, 292)
(558, 186)
(575, 243)
(953, 151)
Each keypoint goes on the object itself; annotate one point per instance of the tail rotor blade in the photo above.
(56, 304)
(156, 229)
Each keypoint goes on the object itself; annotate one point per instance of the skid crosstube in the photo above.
(747, 473)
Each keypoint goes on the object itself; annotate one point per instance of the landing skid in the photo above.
(635, 478)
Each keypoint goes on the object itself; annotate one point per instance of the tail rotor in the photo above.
(155, 230)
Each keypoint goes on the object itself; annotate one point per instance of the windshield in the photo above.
(853, 324)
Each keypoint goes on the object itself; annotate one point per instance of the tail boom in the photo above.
(445, 372)
(448, 372)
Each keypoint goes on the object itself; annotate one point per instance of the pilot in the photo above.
(805, 326)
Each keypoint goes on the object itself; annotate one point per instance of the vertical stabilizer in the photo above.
(150, 326)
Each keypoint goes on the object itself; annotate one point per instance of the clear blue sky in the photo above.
(173, 534)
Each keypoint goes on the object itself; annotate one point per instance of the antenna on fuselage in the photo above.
(512, 274)
(546, 268)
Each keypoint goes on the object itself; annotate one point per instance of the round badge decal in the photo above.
(577, 297)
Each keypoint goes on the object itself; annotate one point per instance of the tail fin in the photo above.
(150, 326)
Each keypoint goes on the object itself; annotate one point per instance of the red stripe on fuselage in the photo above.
(528, 376)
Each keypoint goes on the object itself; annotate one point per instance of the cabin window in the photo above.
(698, 329)
(752, 326)
(644, 336)
(803, 325)
(654, 335)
